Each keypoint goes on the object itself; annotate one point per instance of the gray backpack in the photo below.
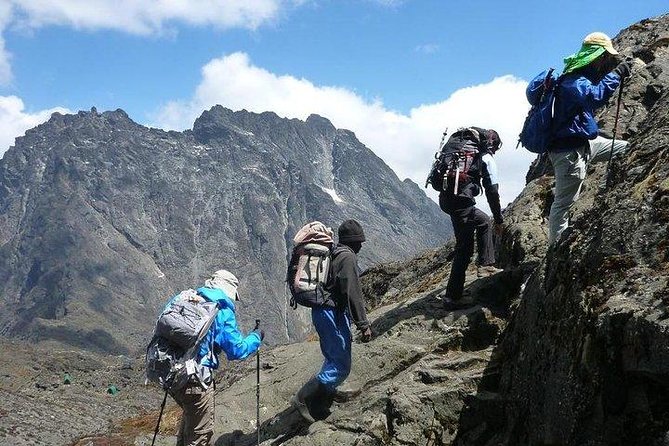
(309, 265)
(171, 356)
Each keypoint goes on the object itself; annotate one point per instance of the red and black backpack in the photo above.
(458, 163)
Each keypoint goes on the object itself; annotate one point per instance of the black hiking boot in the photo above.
(300, 401)
(452, 304)
(320, 403)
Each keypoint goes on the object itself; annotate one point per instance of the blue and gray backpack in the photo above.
(538, 126)
(171, 356)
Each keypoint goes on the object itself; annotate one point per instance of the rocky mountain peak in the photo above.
(318, 121)
(102, 219)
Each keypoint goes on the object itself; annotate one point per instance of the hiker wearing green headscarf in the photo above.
(587, 83)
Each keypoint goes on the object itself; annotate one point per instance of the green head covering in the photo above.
(586, 55)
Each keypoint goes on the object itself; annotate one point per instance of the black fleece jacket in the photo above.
(345, 290)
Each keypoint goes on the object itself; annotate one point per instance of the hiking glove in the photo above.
(260, 332)
(623, 69)
(367, 335)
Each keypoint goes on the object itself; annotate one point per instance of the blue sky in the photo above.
(389, 70)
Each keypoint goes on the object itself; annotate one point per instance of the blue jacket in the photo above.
(224, 334)
(576, 100)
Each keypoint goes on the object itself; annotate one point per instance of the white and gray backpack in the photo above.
(171, 356)
(309, 266)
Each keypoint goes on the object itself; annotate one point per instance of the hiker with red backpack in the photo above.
(328, 283)
(193, 329)
(463, 169)
(589, 79)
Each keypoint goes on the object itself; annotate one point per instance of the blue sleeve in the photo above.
(535, 88)
(230, 340)
(591, 96)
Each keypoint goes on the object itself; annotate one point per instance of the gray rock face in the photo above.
(102, 219)
(584, 361)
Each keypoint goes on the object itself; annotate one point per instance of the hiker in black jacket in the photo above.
(333, 324)
(468, 220)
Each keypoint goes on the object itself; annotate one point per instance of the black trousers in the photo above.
(467, 220)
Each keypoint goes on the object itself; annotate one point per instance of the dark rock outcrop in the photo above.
(584, 359)
(102, 219)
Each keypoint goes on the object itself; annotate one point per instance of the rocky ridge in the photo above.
(583, 361)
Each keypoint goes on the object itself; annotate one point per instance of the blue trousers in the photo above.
(334, 330)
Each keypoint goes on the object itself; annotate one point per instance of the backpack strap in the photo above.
(476, 133)
(203, 333)
(309, 269)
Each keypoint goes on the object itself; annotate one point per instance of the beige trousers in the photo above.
(197, 420)
(569, 170)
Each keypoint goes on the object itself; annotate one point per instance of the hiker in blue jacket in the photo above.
(333, 325)
(196, 400)
(586, 84)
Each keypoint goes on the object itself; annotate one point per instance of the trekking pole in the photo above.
(162, 407)
(443, 137)
(615, 130)
(258, 387)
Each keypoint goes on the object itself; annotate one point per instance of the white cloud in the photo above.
(147, 17)
(14, 120)
(427, 48)
(406, 142)
(155, 17)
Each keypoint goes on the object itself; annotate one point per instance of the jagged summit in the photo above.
(223, 115)
(102, 218)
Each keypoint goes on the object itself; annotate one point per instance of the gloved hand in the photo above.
(260, 332)
(623, 69)
(366, 335)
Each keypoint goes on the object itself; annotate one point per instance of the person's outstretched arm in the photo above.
(230, 340)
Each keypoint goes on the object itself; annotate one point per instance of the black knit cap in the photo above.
(494, 141)
(350, 231)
